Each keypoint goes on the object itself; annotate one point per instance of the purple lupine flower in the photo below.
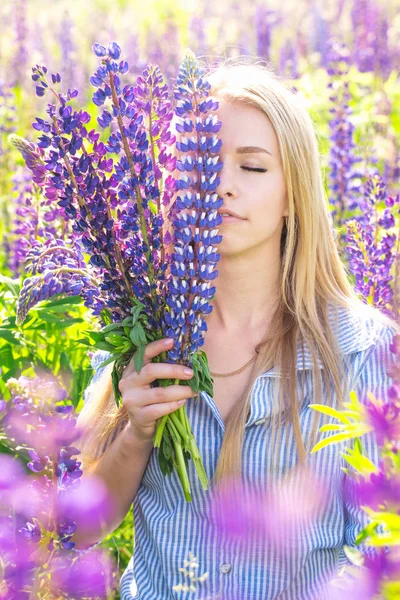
(35, 218)
(197, 32)
(88, 505)
(7, 126)
(33, 421)
(385, 417)
(90, 575)
(264, 21)
(41, 514)
(80, 183)
(370, 250)
(195, 218)
(319, 34)
(36, 464)
(380, 491)
(83, 188)
(8, 118)
(371, 47)
(56, 269)
(344, 178)
(68, 59)
(10, 473)
(288, 61)
(143, 110)
(21, 42)
(31, 531)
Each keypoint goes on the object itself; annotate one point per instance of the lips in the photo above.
(230, 213)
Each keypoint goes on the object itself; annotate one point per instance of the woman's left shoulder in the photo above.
(362, 327)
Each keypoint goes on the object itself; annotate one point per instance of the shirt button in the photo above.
(226, 567)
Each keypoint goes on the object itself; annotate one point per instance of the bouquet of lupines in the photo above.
(113, 192)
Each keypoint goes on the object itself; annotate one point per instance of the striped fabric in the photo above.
(168, 529)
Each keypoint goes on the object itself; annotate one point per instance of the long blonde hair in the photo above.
(313, 277)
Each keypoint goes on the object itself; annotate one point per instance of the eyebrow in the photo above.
(252, 150)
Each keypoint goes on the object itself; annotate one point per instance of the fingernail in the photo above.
(168, 342)
(188, 371)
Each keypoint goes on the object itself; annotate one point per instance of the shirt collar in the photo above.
(356, 328)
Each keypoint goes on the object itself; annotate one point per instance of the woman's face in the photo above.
(259, 197)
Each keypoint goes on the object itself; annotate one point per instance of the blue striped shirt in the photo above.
(167, 528)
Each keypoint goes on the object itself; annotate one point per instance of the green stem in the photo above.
(162, 422)
(180, 465)
(180, 426)
(159, 431)
(182, 472)
(195, 453)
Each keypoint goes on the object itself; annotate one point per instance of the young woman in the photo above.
(286, 331)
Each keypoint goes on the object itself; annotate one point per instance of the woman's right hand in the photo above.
(145, 404)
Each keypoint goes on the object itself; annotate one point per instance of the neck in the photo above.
(246, 295)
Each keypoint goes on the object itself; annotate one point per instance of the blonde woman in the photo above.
(286, 331)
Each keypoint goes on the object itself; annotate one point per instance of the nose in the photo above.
(227, 185)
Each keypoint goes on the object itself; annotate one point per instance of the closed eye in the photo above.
(257, 170)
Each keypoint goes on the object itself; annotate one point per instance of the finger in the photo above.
(153, 371)
(151, 413)
(146, 397)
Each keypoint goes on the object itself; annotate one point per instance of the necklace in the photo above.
(235, 372)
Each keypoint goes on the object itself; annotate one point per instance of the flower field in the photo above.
(87, 95)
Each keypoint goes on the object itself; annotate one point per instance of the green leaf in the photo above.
(13, 285)
(110, 327)
(389, 519)
(63, 301)
(83, 341)
(9, 336)
(6, 357)
(96, 336)
(331, 427)
(106, 316)
(58, 322)
(139, 357)
(126, 321)
(138, 335)
(109, 360)
(66, 369)
(328, 410)
(104, 346)
(360, 463)
(333, 439)
(115, 339)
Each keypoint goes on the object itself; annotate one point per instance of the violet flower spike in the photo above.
(371, 250)
(344, 177)
(194, 258)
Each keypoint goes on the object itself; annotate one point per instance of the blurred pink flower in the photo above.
(365, 582)
(45, 433)
(90, 575)
(11, 472)
(88, 504)
(243, 514)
